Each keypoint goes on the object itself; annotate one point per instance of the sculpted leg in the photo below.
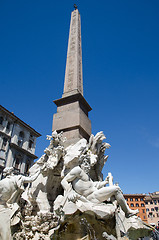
(105, 193)
(5, 231)
(121, 201)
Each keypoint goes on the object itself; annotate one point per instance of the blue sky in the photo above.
(120, 47)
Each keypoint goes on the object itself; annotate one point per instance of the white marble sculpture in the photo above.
(65, 183)
(50, 164)
(11, 189)
(77, 183)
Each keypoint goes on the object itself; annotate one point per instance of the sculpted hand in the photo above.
(107, 179)
(72, 196)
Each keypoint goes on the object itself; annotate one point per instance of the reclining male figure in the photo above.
(77, 182)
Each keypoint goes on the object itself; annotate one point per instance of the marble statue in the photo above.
(87, 193)
(78, 185)
(66, 192)
(48, 184)
(11, 188)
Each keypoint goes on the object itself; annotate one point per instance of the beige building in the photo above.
(17, 143)
(152, 208)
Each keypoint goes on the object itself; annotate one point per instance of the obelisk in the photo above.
(72, 108)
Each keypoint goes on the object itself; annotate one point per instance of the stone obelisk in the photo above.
(72, 108)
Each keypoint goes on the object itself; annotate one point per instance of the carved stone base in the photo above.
(87, 226)
(82, 226)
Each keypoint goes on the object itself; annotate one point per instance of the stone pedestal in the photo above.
(72, 118)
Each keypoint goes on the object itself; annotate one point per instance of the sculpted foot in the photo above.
(131, 213)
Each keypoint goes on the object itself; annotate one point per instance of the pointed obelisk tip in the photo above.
(75, 6)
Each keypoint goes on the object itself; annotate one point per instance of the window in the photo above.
(17, 161)
(150, 215)
(4, 144)
(156, 209)
(155, 202)
(126, 199)
(30, 144)
(147, 210)
(1, 120)
(136, 199)
(137, 205)
(152, 209)
(21, 139)
(8, 125)
(131, 199)
(151, 202)
(132, 205)
(27, 166)
(21, 134)
(142, 205)
(143, 210)
(146, 202)
(141, 199)
(144, 217)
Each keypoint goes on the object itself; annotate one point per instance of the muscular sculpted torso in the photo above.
(13, 184)
(7, 187)
(82, 184)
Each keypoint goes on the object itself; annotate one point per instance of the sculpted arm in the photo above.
(101, 184)
(72, 175)
(31, 178)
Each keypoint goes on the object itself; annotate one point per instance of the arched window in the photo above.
(1, 120)
(21, 139)
(137, 205)
(142, 205)
(132, 205)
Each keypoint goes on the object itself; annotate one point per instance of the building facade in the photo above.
(136, 201)
(152, 208)
(17, 143)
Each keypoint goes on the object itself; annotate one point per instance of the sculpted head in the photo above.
(85, 163)
(8, 171)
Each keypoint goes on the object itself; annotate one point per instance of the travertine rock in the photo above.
(67, 197)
